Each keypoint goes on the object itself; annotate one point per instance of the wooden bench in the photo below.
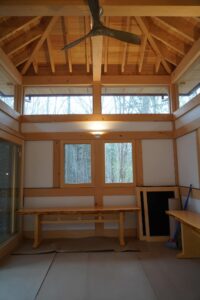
(190, 232)
(78, 215)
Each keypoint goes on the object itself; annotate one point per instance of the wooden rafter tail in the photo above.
(142, 53)
(68, 55)
(124, 56)
(145, 28)
(44, 36)
(50, 51)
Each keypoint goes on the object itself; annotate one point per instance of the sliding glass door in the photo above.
(9, 188)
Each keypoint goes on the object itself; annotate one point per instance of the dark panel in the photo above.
(157, 205)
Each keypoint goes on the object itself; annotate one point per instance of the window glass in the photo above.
(77, 163)
(58, 101)
(118, 163)
(189, 84)
(7, 88)
(135, 100)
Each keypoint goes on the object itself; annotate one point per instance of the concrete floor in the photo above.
(152, 274)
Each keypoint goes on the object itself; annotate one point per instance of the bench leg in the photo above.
(37, 231)
(121, 229)
(190, 242)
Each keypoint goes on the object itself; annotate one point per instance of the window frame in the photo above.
(62, 164)
(120, 184)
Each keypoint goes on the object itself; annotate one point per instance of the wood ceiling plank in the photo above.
(50, 51)
(168, 39)
(97, 48)
(9, 67)
(169, 55)
(35, 66)
(45, 34)
(144, 27)
(111, 8)
(87, 44)
(14, 24)
(68, 56)
(106, 41)
(142, 52)
(187, 61)
(22, 41)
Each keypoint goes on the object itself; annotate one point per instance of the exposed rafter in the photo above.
(144, 27)
(68, 56)
(50, 51)
(87, 45)
(124, 57)
(45, 34)
(142, 52)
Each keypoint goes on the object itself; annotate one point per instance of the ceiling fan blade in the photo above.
(95, 10)
(123, 36)
(76, 42)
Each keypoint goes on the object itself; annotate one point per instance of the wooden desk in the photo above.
(190, 232)
(78, 215)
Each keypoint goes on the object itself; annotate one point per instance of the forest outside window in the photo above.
(58, 100)
(118, 163)
(135, 100)
(77, 164)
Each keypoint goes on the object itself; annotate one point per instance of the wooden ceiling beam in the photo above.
(35, 66)
(68, 56)
(144, 27)
(45, 34)
(9, 67)
(157, 65)
(22, 41)
(50, 51)
(168, 39)
(111, 8)
(142, 52)
(97, 48)
(105, 80)
(13, 24)
(181, 27)
(186, 62)
(168, 55)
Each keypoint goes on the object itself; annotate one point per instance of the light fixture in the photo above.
(97, 134)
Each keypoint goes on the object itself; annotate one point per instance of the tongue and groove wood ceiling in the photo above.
(34, 44)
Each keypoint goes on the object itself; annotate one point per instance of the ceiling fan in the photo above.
(99, 29)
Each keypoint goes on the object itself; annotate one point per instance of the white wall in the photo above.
(158, 162)
(38, 163)
(188, 160)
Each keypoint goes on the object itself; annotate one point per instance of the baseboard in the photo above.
(56, 234)
(7, 247)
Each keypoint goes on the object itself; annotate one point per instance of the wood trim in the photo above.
(74, 136)
(187, 107)
(198, 151)
(10, 245)
(19, 99)
(10, 131)
(122, 80)
(173, 95)
(192, 126)
(9, 111)
(10, 135)
(56, 164)
(138, 163)
(73, 191)
(175, 162)
(96, 99)
(97, 116)
(194, 194)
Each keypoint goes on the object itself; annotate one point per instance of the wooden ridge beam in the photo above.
(187, 61)
(45, 34)
(111, 8)
(9, 67)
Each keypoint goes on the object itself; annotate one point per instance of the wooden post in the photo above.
(37, 231)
